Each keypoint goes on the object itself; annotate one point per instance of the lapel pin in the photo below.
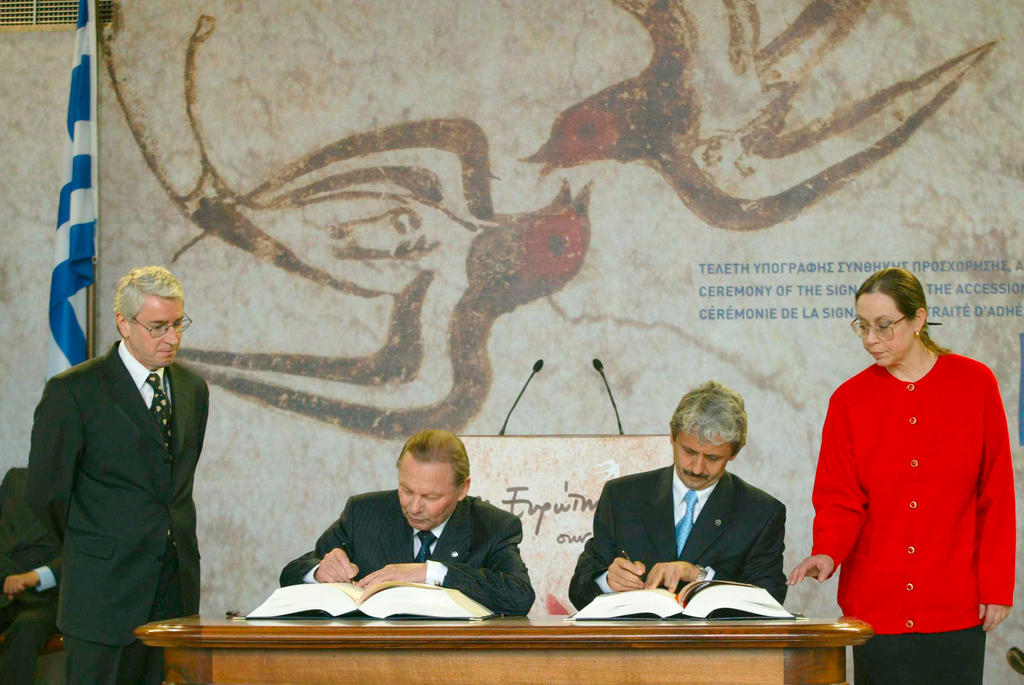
(455, 555)
(718, 522)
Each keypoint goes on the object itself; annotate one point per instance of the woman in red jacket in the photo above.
(913, 496)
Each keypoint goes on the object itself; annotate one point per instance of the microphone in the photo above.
(600, 369)
(537, 366)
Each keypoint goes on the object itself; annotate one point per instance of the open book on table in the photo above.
(383, 600)
(699, 599)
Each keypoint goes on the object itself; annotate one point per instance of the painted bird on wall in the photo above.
(714, 119)
(312, 219)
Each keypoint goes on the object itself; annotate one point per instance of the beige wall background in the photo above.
(343, 188)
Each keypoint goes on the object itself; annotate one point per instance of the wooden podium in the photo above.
(545, 650)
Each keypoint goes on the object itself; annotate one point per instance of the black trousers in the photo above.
(93, 663)
(956, 657)
(27, 625)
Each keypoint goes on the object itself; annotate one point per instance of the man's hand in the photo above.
(336, 567)
(671, 574)
(992, 615)
(19, 582)
(405, 573)
(626, 575)
(819, 566)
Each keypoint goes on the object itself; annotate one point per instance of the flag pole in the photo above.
(90, 317)
(90, 293)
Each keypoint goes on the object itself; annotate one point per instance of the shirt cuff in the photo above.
(47, 580)
(308, 578)
(436, 572)
(711, 573)
(602, 582)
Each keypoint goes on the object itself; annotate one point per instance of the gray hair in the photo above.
(714, 413)
(145, 280)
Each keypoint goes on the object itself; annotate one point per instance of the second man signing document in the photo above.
(689, 521)
(426, 531)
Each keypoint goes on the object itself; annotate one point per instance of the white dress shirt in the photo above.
(679, 491)
(140, 373)
(436, 571)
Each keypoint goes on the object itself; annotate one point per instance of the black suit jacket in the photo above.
(101, 480)
(479, 545)
(25, 543)
(740, 532)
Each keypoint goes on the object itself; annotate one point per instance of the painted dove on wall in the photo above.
(715, 119)
(347, 217)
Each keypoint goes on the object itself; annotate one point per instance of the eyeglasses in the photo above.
(883, 329)
(179, 326)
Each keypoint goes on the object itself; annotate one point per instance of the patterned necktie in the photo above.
(685, 523)
(161, 409)
(426, 540)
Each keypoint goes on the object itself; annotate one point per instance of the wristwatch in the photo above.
(703, 573)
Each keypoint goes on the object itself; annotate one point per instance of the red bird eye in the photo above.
(586, 131)
(553, 248)
(589, 134)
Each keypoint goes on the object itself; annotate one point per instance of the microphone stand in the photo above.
(600, 369)
(537, 366)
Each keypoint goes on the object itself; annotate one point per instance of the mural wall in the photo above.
(384, 212)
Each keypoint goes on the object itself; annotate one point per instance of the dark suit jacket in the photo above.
(479, 545)
(25, 543)
(100, 478)
(740, 532)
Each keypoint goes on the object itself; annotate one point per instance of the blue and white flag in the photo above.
(77, 214)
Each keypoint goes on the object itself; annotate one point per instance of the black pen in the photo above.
(625, 555)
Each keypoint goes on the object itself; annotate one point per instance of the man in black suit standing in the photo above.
(690, 521)
(29, 574)
(114, 450)
(426, 531)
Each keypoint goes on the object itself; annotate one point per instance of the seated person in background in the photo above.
(690, 521)
(426, 531)
(29, 562)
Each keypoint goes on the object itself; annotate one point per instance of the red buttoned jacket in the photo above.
(913, 497)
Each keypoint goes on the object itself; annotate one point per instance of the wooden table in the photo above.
(544, 650)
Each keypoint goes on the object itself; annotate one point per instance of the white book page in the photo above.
(755, 600)
(428, 600)
(658, 602)
(333, 598)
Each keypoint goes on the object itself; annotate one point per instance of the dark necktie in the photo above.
(426, 540)
(161, 409)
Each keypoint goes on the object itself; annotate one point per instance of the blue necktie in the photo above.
(426, 540)
(685, 523)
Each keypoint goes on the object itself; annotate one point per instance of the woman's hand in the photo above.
(992, 615)
(819, 566)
